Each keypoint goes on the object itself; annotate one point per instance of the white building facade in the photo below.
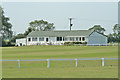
(88, 37)
(21, 42)
(54, 40)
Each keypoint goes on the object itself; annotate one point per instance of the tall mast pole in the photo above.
(70, 23)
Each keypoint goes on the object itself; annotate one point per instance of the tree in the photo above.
(30, 29)
(5, 30)
(116, 34)
(111, 38)
(41, 25)
(98, 28)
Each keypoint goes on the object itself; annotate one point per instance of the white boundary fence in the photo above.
(76, 64)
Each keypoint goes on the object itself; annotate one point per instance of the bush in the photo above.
(84, 42)
(7, 43)
(72, 43)
(68, 43)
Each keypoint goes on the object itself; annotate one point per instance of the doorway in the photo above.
(46, 39)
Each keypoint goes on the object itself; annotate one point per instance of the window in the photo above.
(79, 38)
(59, 38)
(71, 38)
(46, 39)
(34, 39)
(65, 39)
(41, 39)
(83, 38)
(29, 39)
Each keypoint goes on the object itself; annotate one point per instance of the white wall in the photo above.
(21, 42)
(53, 40)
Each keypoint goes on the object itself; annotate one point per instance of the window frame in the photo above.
(29, 39)
(59, 39)
(72, 39)
(83, 38)
(34, 39)
(41, 38)
(79, 38)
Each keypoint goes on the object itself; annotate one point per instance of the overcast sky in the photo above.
(85, 14)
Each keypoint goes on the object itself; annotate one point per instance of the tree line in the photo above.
(6, 33)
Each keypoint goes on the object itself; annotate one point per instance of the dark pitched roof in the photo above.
(60, 33)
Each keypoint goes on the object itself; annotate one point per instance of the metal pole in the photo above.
(70, 23)
(19, 63)
(48, 63)
(76, 62)
(103, 61)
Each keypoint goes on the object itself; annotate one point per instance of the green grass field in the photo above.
(60, 69)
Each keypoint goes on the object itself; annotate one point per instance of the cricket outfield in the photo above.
(59, 69)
